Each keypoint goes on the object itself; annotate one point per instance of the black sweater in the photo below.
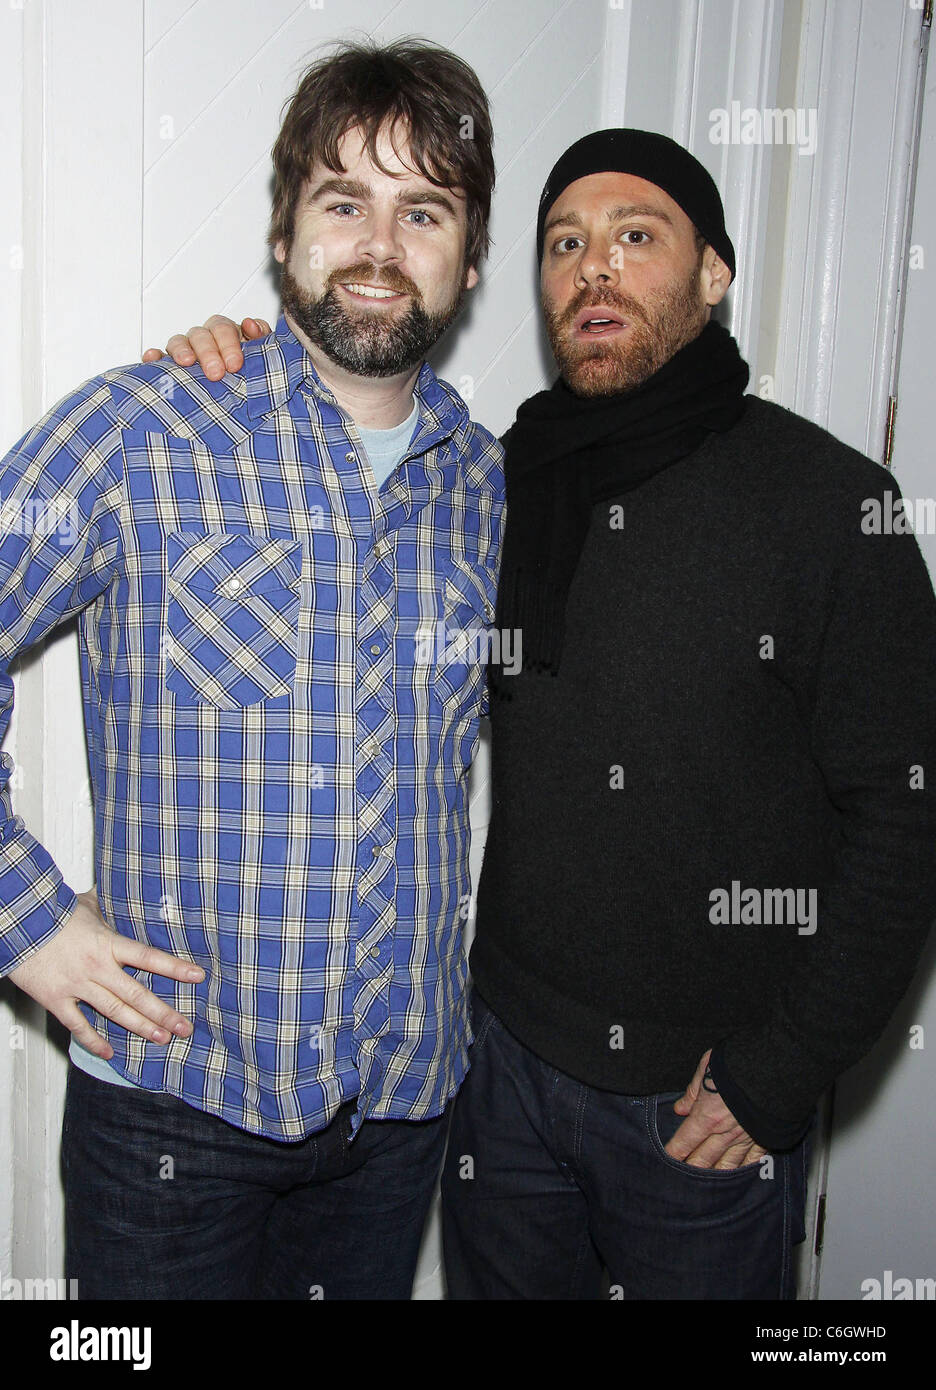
(748, 682)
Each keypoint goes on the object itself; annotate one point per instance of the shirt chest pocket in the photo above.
(233, 617)
(462, 645)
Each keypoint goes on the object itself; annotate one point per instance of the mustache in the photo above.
(365, 274)
(589, 299)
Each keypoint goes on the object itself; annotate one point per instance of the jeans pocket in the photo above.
(662, 1124)
(233, 617)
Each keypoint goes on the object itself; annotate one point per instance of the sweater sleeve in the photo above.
(873, 736)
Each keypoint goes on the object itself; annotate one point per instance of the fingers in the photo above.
(215, 346)
(696, 1144)
(741, 1155)
(81, 1030)
(151, 1016)
(714, 1153)
(690, 1135)
(180, 350)
(129, 1004)
(119, 1011)
(718, 1152)
(222, 341)
(706, 1132)
(690, 1095)
(155, 961)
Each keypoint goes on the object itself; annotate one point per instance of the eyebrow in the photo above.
(618, 214)
(353, 188)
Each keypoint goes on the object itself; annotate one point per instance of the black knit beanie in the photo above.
(648, 156)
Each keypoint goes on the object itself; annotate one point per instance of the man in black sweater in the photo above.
(710, 867)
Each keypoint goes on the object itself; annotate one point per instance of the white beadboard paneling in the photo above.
(496, 37)
(228, 247)
(159, 16)
(206, 55)
(428, 19)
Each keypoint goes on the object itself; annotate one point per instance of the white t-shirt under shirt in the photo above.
(384, 450)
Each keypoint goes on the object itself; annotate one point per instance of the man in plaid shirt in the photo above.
(278, 751)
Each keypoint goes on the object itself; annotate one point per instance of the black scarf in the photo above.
(566, 452)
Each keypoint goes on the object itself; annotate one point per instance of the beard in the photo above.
(366, 341)
(656, 329)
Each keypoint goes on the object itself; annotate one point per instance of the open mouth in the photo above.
(360, 291)
(598, 321)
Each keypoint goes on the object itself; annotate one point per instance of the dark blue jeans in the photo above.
(548, 1183)
(164, 1201)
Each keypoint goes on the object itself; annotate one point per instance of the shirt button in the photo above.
(349, 458)
(380, 549)
(6, 760)
(375, 649)
(375, 952)
(233, 585)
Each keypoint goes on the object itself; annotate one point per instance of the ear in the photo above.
(280, 251)
(715, 277)
(471, 278)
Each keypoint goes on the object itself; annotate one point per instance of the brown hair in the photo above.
(411, 86)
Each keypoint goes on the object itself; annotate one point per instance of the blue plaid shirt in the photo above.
(278, 742)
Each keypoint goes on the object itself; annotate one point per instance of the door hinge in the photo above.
(889, 434)
(820, 1225)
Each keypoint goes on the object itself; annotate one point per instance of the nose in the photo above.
(380, 240)
(596, 267)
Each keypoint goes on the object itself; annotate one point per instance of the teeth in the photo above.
(372, 291)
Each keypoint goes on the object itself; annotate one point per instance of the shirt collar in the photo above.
(277, 366)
